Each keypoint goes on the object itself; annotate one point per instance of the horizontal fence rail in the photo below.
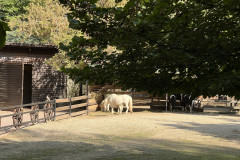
(51, 110)
(24, 105)
(66, 110)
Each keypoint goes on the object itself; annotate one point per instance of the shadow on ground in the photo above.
(75, 146)
(228, 131)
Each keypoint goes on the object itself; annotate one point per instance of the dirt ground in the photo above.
(141, 135)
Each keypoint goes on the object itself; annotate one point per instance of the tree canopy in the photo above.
(3, 29)
(37, 21)
(13, 8)
(189, 46)
(12, 11)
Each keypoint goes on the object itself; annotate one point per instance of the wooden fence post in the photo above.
(22, 83)
(166, 101)
(70, 106)
(55, 104)
(87, 98)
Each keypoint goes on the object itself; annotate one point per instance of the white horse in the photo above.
(117, 101)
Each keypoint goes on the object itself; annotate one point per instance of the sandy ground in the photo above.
(141, 135)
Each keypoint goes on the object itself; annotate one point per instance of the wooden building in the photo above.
(24, 78)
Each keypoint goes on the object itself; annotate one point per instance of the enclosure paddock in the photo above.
(140, 104)
(146, 135)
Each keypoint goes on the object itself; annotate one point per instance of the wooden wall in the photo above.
(10, 84)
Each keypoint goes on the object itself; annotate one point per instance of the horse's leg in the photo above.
(108, 107)
(121, 109)
(127, 108)
(183, 106)
(174, 103)
(104, 108)
(112, 110)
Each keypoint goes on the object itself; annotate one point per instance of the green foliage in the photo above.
(13, 11)
(13, 8)
(72, 88)
(164, 46)
(3, 29)
(44, 21)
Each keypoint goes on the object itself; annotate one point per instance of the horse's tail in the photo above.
(130, 105)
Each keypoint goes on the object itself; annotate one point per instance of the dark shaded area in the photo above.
(27, 84)
(105, 147)
(217, 130)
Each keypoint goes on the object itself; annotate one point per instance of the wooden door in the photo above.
(10, 84)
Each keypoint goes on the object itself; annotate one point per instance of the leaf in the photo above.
(2, 36)
(118, 1)
(228, 2)
(136, 21)
(5, 26)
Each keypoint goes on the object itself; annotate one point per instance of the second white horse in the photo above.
(117, 101)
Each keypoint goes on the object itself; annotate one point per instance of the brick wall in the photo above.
(46, 81)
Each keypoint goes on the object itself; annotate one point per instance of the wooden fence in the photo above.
(51, 110)
(69, 105)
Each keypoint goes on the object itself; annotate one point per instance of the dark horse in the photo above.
(172, 101)
(185, 100)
